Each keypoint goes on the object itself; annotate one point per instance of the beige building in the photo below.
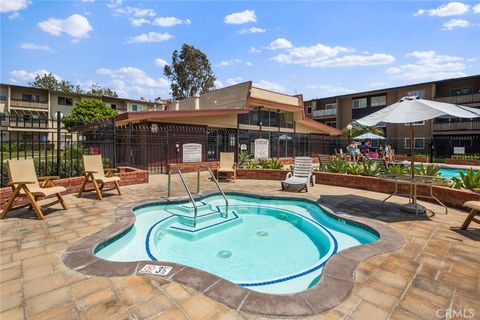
(339, 111)
(28, 113)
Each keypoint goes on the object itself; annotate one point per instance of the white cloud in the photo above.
(150, 37)
(251, 30)
(170, 21)
(134, 83)
(428, 66)
(322, 90)
(268, 85)
(249, 64)
(13, 5)
(160, 62)
(24, 75)
(218, 84)
(137, 22)
(14, 16)
(134, 12)
(456, 23)
(241, 17)
(254, 50)
(76, 26)
(476, 9)
(445, 10)
(280, 43)
(33, 46)
(226, 63)
(320, 55)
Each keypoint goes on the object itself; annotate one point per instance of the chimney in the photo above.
(196, 98)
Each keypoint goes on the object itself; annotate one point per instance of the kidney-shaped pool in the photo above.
(267, 245)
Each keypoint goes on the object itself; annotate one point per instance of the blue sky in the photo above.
(318, 48)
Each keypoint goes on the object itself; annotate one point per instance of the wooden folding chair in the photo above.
(475, 206)
(23, 180)
(95, 174)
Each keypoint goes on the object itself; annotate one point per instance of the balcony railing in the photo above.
(19, 103)
(456, 126)
(324, 113)
(462, 99)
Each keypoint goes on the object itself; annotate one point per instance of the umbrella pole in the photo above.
(412, 159)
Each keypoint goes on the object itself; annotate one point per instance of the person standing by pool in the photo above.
(351, 151)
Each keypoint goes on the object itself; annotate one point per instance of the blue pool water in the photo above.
(449, 173)
(267, 245)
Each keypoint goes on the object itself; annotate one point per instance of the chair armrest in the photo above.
(90, 171)
(288, 175)
(111, 169)
(11, 183)
(48, 178)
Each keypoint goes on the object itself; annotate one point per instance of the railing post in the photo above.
(59, 134)
(114, 134)
(198, 180)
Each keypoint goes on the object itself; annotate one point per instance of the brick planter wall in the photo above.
(449, 196)
(128, 175)
(190, 166)
(424, 159)
(462, 162)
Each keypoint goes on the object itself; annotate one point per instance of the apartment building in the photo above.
(27, 111)
(339, 111)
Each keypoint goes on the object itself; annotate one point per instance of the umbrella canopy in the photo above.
(412, 109)
(369, 136)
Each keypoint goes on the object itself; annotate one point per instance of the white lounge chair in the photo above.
(302, 174)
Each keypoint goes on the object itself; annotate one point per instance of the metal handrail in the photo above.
(218, 186)
(190, 196)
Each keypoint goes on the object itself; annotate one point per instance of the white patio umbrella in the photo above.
(411, 109)
(369, 136)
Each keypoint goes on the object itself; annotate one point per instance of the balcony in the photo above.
(462, 99)
(19, 103)
(325, 113)
(457, 126)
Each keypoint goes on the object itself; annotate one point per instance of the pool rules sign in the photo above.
(192, 152)
(261, 149)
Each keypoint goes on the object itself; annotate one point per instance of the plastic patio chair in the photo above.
(302, 174)
(227, 165)
(95, 174)
(24, 183)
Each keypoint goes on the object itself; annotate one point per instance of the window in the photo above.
(30, 97)
(359, 103)
(417, 93)
(378, 101)
(65, 101)
(332, 124)
(418, 143)
(3, 96)
(330, 106)
(113, 106)
(416, 123)
(137, 107)
(309, 109)
(460, 91)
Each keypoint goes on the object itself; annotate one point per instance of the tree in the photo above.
(88, 111)
(97, 90)
(50, 82)
(358, 130)
(190, 73)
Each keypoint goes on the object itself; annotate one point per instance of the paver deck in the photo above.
(437, 270)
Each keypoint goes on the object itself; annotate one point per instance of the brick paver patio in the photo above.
(437, 269)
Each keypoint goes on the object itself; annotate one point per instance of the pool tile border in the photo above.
(334, 286)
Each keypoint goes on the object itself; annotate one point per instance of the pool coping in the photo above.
(334, 286)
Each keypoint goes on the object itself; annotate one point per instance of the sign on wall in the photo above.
(458, 150)
(261, 149)
(192, 152)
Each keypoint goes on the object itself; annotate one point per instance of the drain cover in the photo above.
(224, 254)
(262, 233)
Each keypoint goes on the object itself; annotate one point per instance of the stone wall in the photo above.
(463, 162)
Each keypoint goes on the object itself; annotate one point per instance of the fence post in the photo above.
(114, 133)
(59, 127)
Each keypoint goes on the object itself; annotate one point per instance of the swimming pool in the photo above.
(267, 245)
(449, 173)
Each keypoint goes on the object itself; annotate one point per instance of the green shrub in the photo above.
(271, 164)
(429, 170)
(469, 180)
(371, 168)
(396, 169)
(355, 169)
(243, 159)
(336, 166)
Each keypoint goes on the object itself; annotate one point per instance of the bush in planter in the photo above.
(252, 165)
(469, 180)
(355, 169)
(396, 169)
(271, 164)
(336, 166)
(371, 168)
(429, 170)
(243, 159)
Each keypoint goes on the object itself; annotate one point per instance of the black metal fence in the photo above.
(57, 151)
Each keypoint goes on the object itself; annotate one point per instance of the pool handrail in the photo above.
(218, 187)
(182, 178)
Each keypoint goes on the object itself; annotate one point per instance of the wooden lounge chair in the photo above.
(95, 174)
(23, 180)
(475, 206)
(302, 174)
(227, 166)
